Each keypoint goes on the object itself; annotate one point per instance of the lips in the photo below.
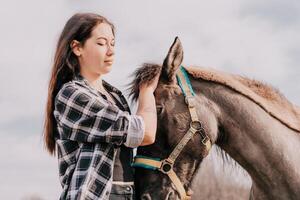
(109, 61)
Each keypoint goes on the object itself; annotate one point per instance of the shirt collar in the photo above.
(79, 78)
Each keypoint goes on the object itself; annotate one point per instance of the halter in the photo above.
(166, 165)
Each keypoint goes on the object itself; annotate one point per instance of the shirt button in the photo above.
(128, 188)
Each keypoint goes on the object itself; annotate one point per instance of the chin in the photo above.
(105, 70)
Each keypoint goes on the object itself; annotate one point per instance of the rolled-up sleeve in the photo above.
(84, 118)
(136, 131)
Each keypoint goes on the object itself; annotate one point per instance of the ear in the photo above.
(172, 62)
(76, 48)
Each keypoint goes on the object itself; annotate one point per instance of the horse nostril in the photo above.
(146, 197)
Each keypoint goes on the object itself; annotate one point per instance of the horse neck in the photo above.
(264, 147)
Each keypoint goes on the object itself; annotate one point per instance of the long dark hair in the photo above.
(79, 27)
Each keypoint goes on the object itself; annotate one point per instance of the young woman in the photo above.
(88, 123)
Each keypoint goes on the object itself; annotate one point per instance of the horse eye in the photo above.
(159, 109)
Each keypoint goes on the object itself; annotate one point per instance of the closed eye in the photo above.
(159, 109)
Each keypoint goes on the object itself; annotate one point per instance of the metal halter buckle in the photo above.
(197, 126)
(166, 166)
(205, 140)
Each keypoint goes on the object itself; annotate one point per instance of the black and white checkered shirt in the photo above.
(89, 130)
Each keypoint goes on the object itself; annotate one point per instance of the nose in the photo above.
(146, 197)
(110, 50)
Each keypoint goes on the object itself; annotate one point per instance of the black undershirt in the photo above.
(122, 168)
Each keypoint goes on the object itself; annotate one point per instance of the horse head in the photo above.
(174, 122)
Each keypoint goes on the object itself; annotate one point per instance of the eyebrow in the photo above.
(104, 38)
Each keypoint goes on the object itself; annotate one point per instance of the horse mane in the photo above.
(148, 71)
(264, 95)
(262, 89)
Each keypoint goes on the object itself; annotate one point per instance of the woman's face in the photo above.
(96, 56)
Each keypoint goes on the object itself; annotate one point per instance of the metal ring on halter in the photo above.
(166, 166)
(196, 125)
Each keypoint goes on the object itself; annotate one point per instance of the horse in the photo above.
(249, 120)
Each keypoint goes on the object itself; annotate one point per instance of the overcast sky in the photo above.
(258, 39)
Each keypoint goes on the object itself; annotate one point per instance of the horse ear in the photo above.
(172, 62)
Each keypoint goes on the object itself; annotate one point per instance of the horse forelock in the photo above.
(143, 75)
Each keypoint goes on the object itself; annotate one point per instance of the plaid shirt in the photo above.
(90, 129)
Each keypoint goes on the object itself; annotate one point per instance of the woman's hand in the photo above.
(147, 110)
(152, 85)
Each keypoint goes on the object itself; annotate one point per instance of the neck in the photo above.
(263, 146)
(94, 80)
